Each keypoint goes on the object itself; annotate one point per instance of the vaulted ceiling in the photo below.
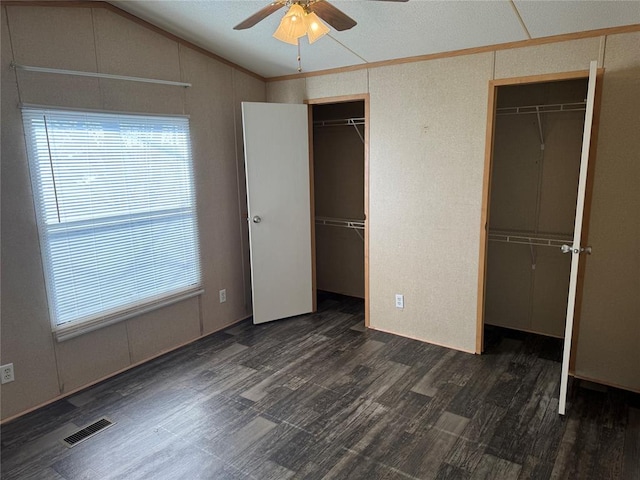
(385, 30)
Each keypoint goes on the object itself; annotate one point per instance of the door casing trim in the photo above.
(342, 99)
(486, 190)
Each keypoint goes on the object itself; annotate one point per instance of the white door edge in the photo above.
(577, 233)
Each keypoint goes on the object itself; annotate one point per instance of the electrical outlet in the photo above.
(6, 373)
(223, 295)
(399, 300)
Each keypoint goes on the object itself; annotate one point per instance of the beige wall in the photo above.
(96, 39)
(609, 341)
(426, 166)
(428, 123)
(424, 210)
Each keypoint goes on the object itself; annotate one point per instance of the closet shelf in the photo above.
(354, 122)
(529, 238)
(339, 122)
(353, 224)
(538, 109)
(340, 222)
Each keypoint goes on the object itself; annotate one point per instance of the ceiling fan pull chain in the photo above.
(299, 64)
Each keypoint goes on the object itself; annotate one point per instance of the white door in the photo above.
(276, 146)
(576, 249)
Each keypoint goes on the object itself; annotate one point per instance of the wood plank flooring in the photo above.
(319, 396)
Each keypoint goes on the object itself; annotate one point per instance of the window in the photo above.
(116, 212)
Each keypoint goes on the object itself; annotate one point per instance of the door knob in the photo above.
(566, 249)
(256, 219)
(570, 249)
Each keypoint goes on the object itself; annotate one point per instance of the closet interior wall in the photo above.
(338, 164)
(535, 167)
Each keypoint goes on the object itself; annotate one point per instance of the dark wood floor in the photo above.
(319, 396)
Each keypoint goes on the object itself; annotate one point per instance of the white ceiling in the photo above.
(385, 30)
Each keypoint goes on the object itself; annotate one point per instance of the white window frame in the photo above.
(166, 192)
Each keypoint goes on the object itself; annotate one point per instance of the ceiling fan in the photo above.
(303, 12)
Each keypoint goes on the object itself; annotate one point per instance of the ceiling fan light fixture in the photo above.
(315, 27)
(292, 26)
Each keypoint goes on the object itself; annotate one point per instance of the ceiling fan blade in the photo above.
(330, 14)
(259, 16)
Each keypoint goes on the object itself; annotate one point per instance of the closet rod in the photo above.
(536, 240)
(538, 109)
(28, 68)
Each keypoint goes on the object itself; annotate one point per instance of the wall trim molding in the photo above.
(118, 372)
(413, 337)
(466, 51)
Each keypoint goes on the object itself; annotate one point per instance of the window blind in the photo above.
(115, 202)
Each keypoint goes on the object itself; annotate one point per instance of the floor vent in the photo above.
(87, 432)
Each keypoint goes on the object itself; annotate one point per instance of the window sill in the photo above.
(75, 329)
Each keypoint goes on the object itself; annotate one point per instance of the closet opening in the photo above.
(339, 186)
(532, 192)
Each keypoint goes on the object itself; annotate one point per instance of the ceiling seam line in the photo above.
(343, 45)
(522, 24)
